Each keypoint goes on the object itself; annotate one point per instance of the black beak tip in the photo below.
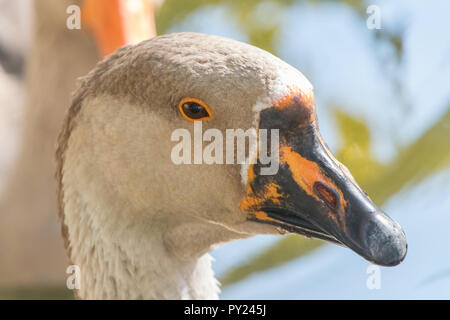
(392, 253)
(386, 242)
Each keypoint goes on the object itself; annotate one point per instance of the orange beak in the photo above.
(116, 23)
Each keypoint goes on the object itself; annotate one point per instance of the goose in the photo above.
(140, 226)
(31, 252)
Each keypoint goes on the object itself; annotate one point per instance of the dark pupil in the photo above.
(194, 110)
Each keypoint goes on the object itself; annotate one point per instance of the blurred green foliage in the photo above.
(355, 151)
(427, 155)
(259, 32)
(285, 250)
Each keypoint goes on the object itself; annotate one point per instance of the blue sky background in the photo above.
(349, 69)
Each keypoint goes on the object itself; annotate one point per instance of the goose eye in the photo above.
(194, 110)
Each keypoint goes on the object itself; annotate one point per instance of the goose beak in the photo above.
(116, 23)
(314, 195)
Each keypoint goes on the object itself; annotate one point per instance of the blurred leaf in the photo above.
(356, 151)
(285, 250)
(360, 6)
(174, 11)
(259, 34)
(395, 39)
(264, 39)
(427, 155)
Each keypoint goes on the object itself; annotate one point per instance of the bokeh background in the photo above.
(383, 101)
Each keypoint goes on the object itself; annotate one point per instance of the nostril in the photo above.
(327, 194)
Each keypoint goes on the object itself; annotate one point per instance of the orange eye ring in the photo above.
(193, 109)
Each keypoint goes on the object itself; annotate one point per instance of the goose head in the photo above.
(127, 204)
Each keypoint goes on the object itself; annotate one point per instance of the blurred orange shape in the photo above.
(116, 23)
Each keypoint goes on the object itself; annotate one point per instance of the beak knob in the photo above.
(384, 239)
